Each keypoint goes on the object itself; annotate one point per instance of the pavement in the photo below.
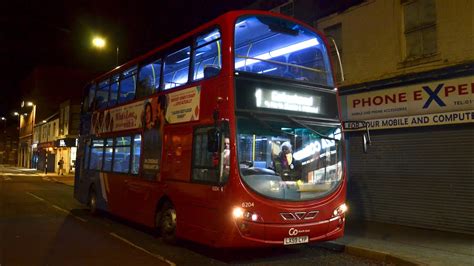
(66, 179)
(389, 243)
(404, 245)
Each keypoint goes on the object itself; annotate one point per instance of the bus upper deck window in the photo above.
(149, 79)
(127, 85)
(176, 68)
(114, 85)
(91, 97)
(207, 58)
(102, 94)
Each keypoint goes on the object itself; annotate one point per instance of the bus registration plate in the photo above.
(295, 240)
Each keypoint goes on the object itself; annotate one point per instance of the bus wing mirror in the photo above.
(341, 69)
(213, 140)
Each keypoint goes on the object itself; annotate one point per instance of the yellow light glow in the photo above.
(98, 42)
(238, 212)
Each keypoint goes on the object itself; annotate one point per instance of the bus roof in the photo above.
(228, 16)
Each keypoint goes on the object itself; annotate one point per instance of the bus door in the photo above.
(196, 180)
(210, 169)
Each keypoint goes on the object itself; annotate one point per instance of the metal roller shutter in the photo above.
(421, 177)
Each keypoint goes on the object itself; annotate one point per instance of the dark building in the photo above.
(8, 145)
(43, 91)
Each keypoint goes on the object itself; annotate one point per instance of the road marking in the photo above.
(69, 213)
(144, 250)
(60, 209)
(33, 195)
(12, 174)
(79, 218)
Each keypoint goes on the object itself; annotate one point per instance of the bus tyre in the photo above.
(92, 202)
(168, 223)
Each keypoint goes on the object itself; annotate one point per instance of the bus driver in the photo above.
(284, 163)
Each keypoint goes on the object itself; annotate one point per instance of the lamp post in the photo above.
(4, 124)
(100, 43)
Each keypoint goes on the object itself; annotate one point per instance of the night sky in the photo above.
(58, 33)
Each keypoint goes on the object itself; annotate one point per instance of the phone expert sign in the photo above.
(183, 105)
(425, 104)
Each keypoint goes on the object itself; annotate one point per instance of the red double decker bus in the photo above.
(228, 135)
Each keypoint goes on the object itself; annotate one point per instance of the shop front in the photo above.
(419, 168)
(66, 149)
(45, 157)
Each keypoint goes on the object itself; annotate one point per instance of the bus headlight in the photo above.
(340, 210)
(239, 213)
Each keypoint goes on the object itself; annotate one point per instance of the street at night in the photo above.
(41, 224)
(250, 132)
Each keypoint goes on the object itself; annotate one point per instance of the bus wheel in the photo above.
(92, 202)
(168, 223)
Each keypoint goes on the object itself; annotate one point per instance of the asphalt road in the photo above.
(42, 224)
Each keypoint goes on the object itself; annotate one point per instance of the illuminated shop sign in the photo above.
(285, 100)
(67, 142)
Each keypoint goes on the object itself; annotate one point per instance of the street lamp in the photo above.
(4, 122)
(100, 43)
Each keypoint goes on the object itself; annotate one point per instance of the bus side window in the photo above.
(176, 68)
(97, 154)
(207, 58)
(102, 95)
(91, 95)
(114, 86)
(137, 142)
(149, 79)
(128, 85)
(109, 143)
